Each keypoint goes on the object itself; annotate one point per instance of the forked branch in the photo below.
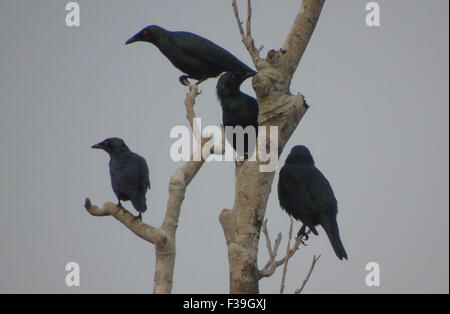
(247, 37)
(272, 264)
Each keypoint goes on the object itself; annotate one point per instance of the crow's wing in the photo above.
(312, 197)
(292, 191)
(319, 191)
(307, 188)
(135, 174)
(209, 52)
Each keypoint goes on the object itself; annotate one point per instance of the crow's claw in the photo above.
(184, 80)
(303, 235)
(138, 217)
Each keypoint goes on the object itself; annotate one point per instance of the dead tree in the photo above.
(242, 224)
(277, 107)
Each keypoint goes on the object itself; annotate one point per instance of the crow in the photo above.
(306, 195)
(129, 173)
(238, 109)
(193, 55)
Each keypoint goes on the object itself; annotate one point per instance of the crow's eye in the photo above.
(145, 33)
(233, 77)
(106, 143)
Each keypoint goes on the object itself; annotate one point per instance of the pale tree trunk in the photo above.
(278, 107)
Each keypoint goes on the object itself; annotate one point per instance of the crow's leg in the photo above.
(303, 235)
(119, 204)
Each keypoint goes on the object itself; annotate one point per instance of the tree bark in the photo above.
(277, 107)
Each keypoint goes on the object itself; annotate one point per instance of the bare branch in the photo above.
(272, 264)
(270, 267)
(247, 37)
(238, 19)
(266, 234)
(165, 254)
(300, 34)
(189, 103)
(286, 260)
(139, 228)
(177, 190)
(315, 259)
(190, 116)
(249, 18)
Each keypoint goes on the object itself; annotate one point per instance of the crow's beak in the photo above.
(250, 74)
(133, 39)
(97, 146)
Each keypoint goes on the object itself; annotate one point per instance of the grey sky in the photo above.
(377, 127)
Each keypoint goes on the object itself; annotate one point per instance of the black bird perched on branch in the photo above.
(196, 56)
(129, 173)
(238, 109)
(306, 195)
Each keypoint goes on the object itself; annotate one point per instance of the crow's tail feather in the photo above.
(139, 203)
(331, 228)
